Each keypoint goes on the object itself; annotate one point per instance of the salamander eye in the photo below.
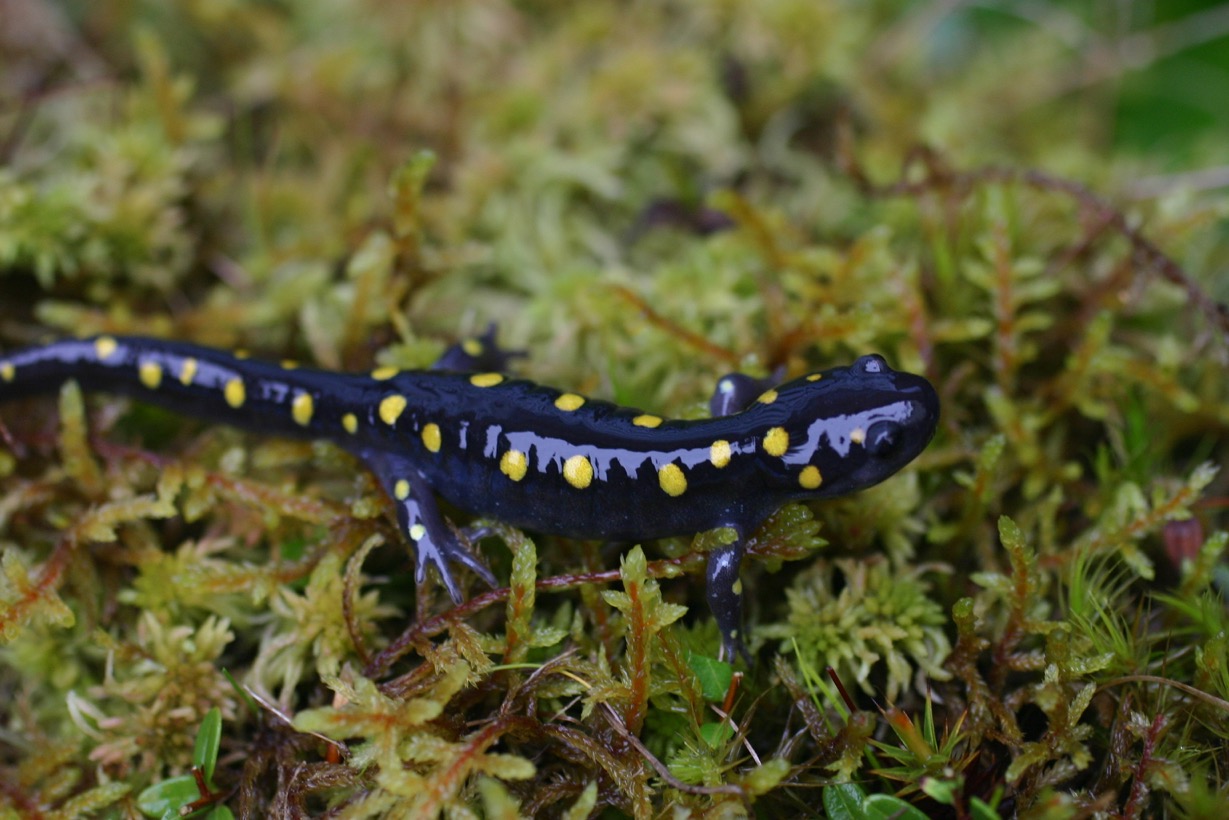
(873, 363)
(882, 438)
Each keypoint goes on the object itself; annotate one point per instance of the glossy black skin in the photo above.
(855, 426)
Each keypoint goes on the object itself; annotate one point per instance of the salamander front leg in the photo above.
(418, 514)
(725, 597)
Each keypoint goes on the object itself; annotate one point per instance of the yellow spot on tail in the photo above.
(647, 420)
(810, 478)
(391, 408)
(105, 347)
(672, 480)
(578, 471)
(7, 371)
(737, 587)
(776, 441)
(431, 437)
(417, 532)
(472, 347)
(719, 453)
(857, 435)
(151, 374)
(301, 409)
(513, 464)
(401, 489)
(769, 397)
(383, 374)
(234, 392)
(569, 402)
(289, 364)
(350, 422)
(814, 377)
(240, 353)
(188, 373)
(486, 379)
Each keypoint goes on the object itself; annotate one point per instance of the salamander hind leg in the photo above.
(421, 522)
(725, 597)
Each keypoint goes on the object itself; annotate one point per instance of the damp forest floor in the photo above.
(1027, 208)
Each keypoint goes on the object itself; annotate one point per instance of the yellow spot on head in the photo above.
(301, 409)
(417, 532)
(769, 397)
(350, 422)
(647, 420)
(814, 377)
(810, 478)
(234, 392)
(289, 364)
(719, 453)
(472, 347)
(486, 379)
(7, 371)
(188, 373)
(578, 472)
(513, 464)
(391, 408)
(737, 587)
(401, 489)
(431, 438)
(776, 441)
(383, 374)
(857, 435)
(151, 374)
(672, 480)
(569, 402)
(105, 346)
(241, 354)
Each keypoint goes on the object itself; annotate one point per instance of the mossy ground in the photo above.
(1030, 620)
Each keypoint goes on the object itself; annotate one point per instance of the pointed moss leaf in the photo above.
(208, 738)
(981, 810)
(890, 807)
(716, 735)
(843, 801)
(765, 778)
(168, 796)
(941, 791)
(584, 804)
(714, 675)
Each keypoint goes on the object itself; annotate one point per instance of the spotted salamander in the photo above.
(541, 459)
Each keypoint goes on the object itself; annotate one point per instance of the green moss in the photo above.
(644, 197)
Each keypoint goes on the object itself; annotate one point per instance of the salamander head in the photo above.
(845, 429)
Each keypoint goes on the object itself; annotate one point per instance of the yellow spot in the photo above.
(401, 489)
(810, 478)
(383, 374)
(417, 532)
(647, 420)
(7, 371)
(814, 377)
(350, 422)
(188, 373)
(737, 587)
(391, 408)
(431, 437)
(289, 364)
(301, 409)
(672, 480)
(234, 392)
(241, 354)
(769, 397)
(105, 347)
(513, 464)
(857, 435)
(486, 379)
(578, 472)
(776, 442)
(472, 347)
(151, 374)
(719, 453)
(569, 402)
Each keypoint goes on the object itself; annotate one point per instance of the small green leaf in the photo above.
(941, 791)
(843, 801)
(714, 676)
(168, 796)
(891, 807)
(208, 739)
(981, 810)
(716, 735)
